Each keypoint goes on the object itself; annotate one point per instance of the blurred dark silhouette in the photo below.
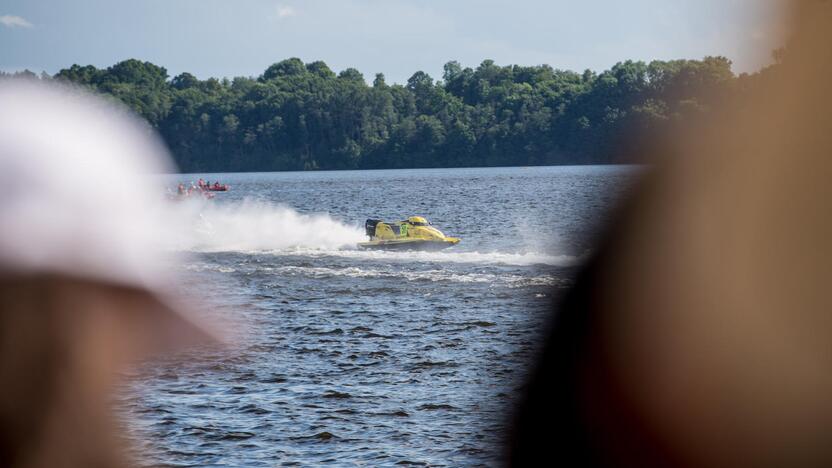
(62, 342)
(699, 335)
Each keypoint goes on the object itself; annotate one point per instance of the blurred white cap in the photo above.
(76, 192)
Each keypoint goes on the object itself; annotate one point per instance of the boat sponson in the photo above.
(409, 244)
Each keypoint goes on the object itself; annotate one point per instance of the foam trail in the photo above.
(453, 256)
(434, 275)
(249, 227)
(254, 226)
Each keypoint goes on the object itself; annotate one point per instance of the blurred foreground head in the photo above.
(83, 287)
(701, 333)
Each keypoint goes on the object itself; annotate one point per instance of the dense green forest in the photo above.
(298, 116)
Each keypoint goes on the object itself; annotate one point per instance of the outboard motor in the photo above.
(370, 227)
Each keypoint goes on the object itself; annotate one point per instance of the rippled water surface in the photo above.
(347, 357)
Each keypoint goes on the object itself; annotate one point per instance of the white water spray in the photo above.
(255, 226)
(249, 226)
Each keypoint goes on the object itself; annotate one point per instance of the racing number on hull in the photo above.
(403, 230)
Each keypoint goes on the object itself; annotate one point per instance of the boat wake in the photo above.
(255, 226)
(445, 256)
(510, 280)
(261, 228)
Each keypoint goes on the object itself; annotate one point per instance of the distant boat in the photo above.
(217, 187)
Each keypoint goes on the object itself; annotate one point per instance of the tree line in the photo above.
(304, 116)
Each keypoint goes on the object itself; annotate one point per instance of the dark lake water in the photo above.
(350, 358)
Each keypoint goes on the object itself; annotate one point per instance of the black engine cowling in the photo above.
(370, 227)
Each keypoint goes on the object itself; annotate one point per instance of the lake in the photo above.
(350, 357)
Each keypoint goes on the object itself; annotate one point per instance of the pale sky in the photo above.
(227, 38)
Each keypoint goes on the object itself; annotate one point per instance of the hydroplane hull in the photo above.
(409, 244)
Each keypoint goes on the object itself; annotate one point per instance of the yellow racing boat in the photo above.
(415, 233)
